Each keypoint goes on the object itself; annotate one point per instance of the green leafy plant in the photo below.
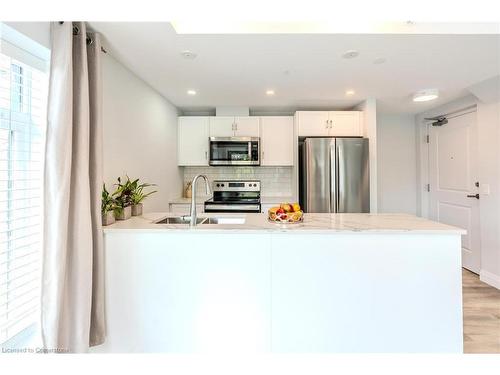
(130, 192)
(138, 194)
(108, 203)
(123, 193)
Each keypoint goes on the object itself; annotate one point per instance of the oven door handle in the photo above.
(234, 207)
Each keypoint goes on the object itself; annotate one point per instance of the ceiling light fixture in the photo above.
(350, 54)
(191, 92)
(350, 92)
(189, 55)
(425, 95)
(270, 92)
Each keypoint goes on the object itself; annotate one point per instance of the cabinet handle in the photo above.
(331, 124)
(206, 155)
(327, 124)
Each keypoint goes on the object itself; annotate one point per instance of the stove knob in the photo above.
(222, 185)
(217, 185)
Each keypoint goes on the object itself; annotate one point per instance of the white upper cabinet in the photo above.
(228, 126)
(312, 123)
(276, 140)
(192, 146)
(329, 123)
(221, 126)
(345, 124)
(246, 126)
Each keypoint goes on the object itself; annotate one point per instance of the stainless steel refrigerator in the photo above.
(334, 175)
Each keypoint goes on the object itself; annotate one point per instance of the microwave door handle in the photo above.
(250, 150)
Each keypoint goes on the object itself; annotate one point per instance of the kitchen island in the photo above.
(335, 283)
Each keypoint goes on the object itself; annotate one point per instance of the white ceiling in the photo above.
(305, 70)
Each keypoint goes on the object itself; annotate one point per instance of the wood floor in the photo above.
(481, 315)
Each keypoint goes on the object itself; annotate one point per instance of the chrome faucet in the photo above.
(192, 211)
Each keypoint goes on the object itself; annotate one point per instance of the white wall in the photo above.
(396, 158)
(488, 123)
(369, 108)
(140, 134)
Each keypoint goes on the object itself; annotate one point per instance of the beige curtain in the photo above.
(72, 278)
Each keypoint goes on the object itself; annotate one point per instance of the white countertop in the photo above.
(313, 223)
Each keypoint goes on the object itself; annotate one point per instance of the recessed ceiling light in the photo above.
(191, 92)
(189, 55)
(350, 92)
(379, 60)
(425, 95)
(270, 92)
(350, 54)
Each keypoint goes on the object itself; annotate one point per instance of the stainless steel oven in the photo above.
(235, 196)
(234, 151)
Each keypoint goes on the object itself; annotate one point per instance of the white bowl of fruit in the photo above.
(286, 213)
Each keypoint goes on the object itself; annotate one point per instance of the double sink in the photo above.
(201, 220)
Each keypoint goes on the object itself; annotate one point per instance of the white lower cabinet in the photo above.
(183, 208)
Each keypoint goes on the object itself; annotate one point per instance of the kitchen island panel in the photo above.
(380, 293)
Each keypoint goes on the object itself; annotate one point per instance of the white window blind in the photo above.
(23, 101)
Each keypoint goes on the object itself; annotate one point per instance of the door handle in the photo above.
(473, 196)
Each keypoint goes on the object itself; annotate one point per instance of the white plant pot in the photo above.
(125, 213)
(108, 218)
(137, 209)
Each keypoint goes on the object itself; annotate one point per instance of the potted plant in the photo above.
(138, 195)
(123, 199)
(108, 205)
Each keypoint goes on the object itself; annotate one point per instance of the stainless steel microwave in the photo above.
(234, 151)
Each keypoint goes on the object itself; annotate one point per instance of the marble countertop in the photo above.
(313, 223)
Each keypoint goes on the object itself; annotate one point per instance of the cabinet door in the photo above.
(221, 126)
(312, 123)
(192, 146)
(345, 124)
(276, 140)
(247, 126)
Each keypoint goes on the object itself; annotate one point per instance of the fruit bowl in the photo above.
(286, 214)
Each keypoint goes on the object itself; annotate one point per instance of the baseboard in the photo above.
(489, 278)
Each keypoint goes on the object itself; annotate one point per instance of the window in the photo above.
(23, 101)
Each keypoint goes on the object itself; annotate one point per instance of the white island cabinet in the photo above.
(337, 283)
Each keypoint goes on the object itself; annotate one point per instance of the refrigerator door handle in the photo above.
(333, 178)
(339, 189)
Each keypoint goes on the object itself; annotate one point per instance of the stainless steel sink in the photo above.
(224, 220)
(202, 220)
(179, 220)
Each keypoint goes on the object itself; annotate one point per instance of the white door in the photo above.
(221, 126)
(276, 140)
(453, 177)
(247, 126)
(192, 146)
(345, 124)
(312, 123)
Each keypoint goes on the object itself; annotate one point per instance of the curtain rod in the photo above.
(76, 31)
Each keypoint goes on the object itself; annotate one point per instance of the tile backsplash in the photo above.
(275, 181)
